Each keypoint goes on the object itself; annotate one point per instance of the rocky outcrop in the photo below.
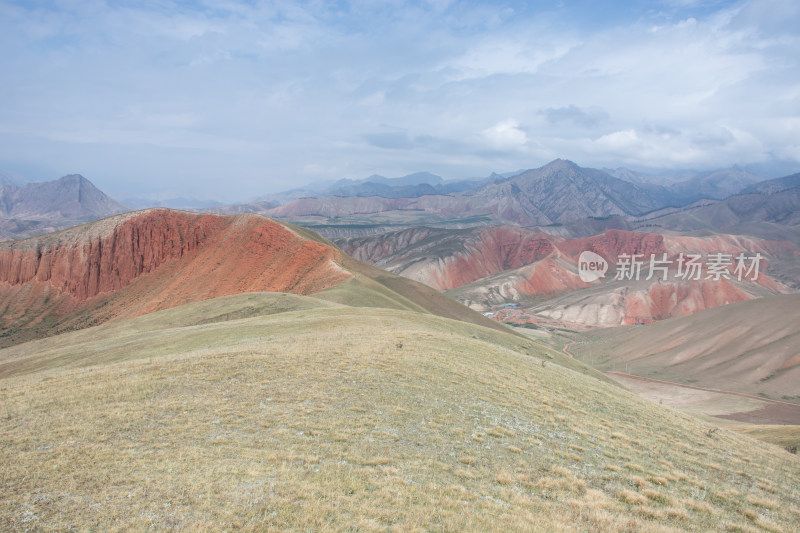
(487, 267)
(156, 259)
(84, 265)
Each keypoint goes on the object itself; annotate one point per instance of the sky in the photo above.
(229, 100)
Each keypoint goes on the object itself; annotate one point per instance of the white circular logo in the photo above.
(591, 267)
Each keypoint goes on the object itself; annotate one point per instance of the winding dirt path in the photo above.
(565, 349)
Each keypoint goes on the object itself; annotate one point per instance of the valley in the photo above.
(165, 369)
(400, 267)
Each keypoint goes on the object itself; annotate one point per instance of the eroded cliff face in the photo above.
(142, 262)
(85, 265)
(494, 250)
(487, 267)
(613, 243)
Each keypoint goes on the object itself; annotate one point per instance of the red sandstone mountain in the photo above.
(145, 261)
(486, 267)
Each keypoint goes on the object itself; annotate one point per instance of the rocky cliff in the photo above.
(488, 267)
(150, 260)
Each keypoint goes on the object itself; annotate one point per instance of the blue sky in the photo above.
(231, 99)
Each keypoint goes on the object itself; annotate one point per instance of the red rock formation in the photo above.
(665, 300)
(84, 266)
(501, 264)
(141, 262)
(612, 243)
(495, 250)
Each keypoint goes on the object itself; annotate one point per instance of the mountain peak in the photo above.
(561, 164)
(73, 177)
(71, 198)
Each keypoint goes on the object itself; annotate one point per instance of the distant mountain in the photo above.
(561, 198)
(417, 178)
(178, 202)
(556, 193)
(770, 213)
(410, 186)
(689, 187)
(716, 185)
(71, 197)
(562, 191)
(382, 189)
(40, 207)
(774, 186)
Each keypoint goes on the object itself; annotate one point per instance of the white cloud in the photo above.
(506, 134)
(275, 93)
(508, 56)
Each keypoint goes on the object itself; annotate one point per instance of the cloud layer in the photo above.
(234, 99)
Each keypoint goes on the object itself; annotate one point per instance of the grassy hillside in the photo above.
(270, 412)
(748, 347)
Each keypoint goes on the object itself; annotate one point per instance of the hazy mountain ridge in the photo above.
(688, 187)
(560, 192)
(774, 186)
(767, 214)
(47, 206)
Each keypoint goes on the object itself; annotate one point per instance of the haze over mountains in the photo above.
(558, 193)
(554, 209)
(203, 371)
(37, 208)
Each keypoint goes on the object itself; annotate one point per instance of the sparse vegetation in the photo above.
(310, 418)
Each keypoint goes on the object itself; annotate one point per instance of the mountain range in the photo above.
(175, 370)
(489, 267)
(37, 208)
(558, 193)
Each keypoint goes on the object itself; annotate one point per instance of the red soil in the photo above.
(613, 243)
(130, 265)
(495, 250)
(529, 264)
(665, 300)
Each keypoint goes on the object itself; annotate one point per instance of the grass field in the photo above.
(270, 412)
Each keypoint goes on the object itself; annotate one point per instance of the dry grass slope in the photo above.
(268, 412)
(748, 347)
